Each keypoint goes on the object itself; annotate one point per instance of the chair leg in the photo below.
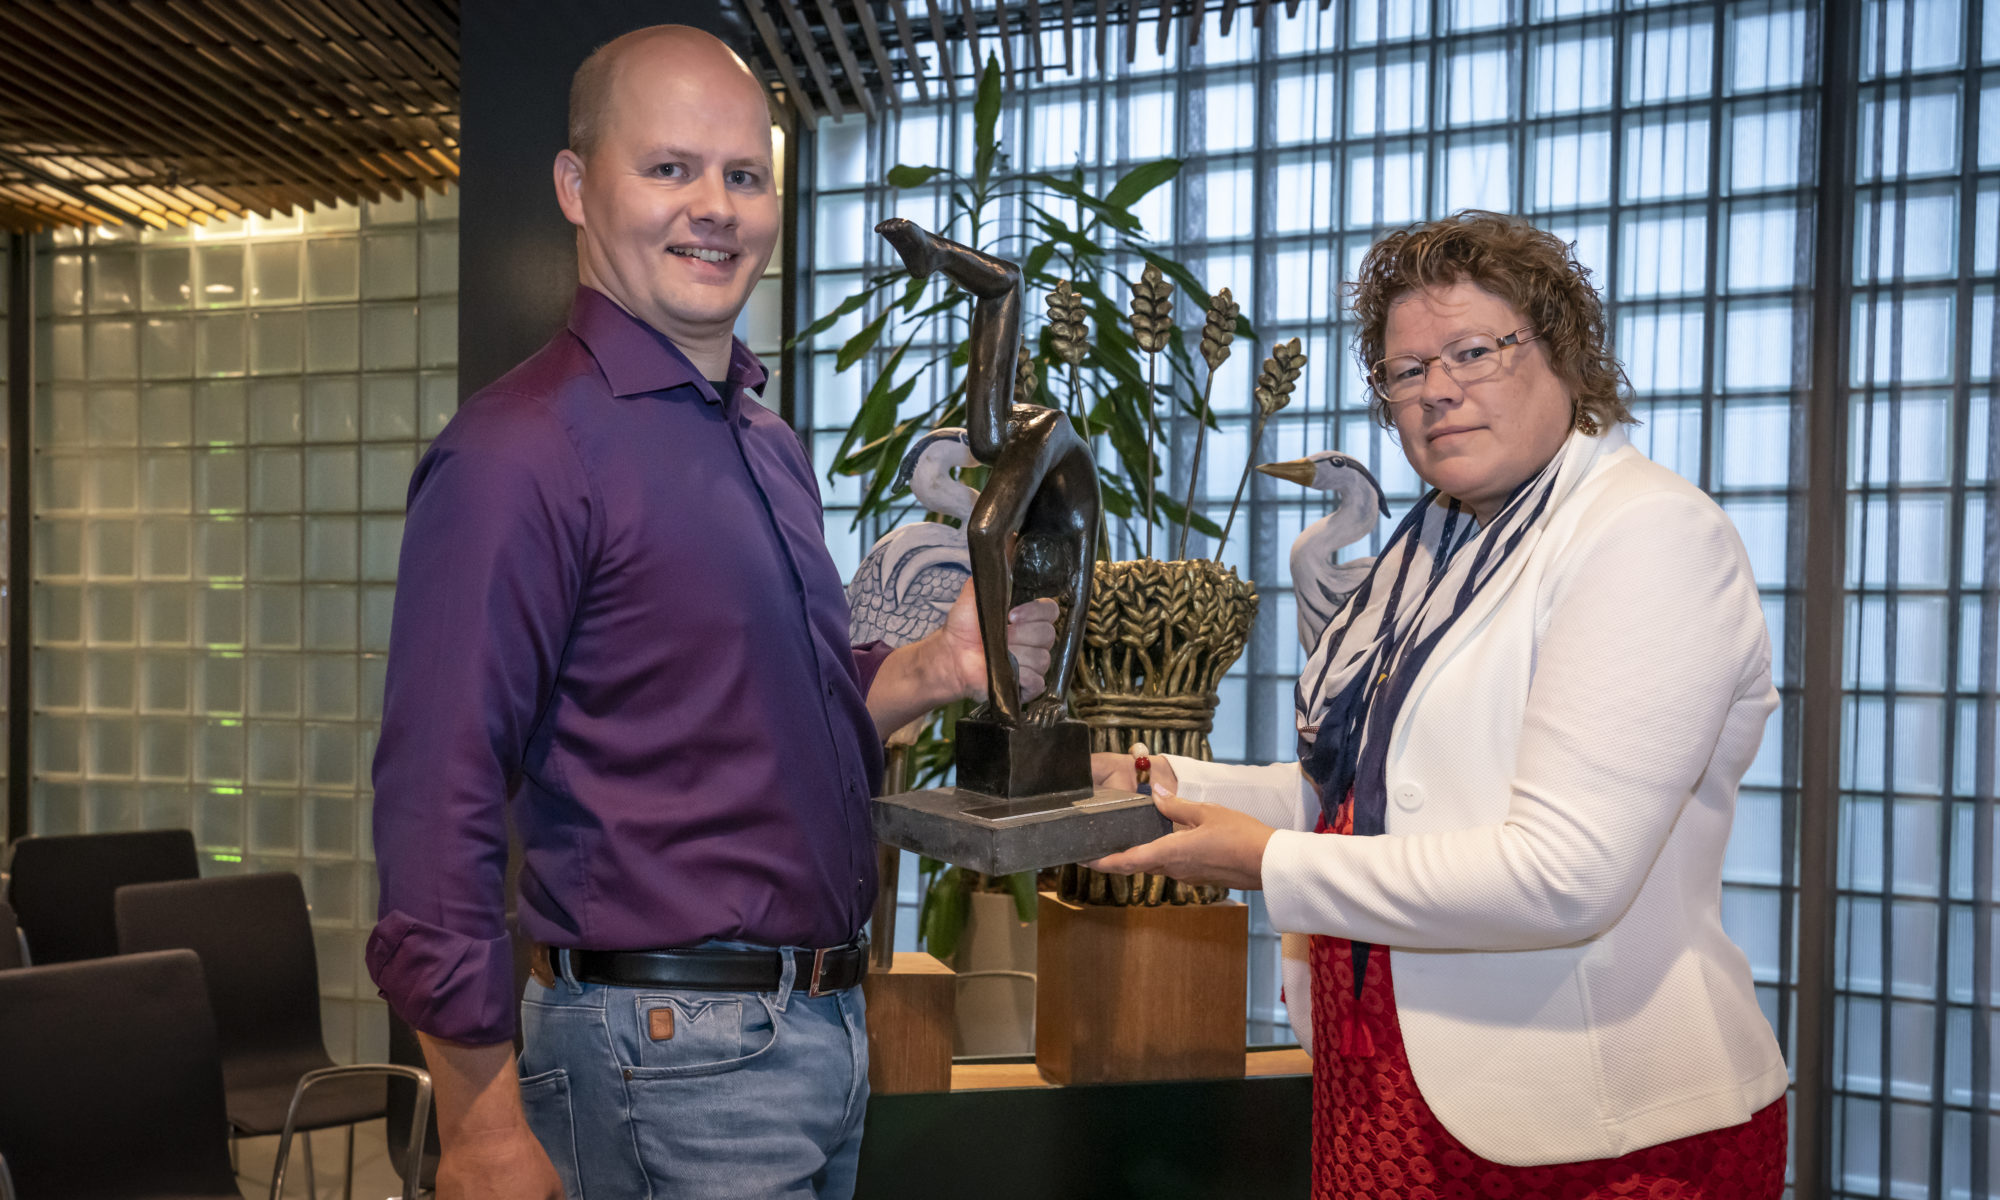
(312, 1177)
(349, 1177)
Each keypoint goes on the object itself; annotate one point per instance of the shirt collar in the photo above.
(636, 358)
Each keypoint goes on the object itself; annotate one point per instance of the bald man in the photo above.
(616, 611)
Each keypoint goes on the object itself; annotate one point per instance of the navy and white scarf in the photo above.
(1369, 658)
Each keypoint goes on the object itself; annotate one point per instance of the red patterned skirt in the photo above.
(1374, 1137)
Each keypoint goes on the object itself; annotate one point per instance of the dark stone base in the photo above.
(998, 836)
(1019, 761)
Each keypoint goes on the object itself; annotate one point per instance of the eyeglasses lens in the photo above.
(1466, 359)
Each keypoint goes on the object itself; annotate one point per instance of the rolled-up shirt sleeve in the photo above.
(868, 659)
(494, 555)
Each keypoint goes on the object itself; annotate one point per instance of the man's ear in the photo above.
(569, 185)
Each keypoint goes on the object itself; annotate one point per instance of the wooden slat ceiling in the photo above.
(171, 111)
(833, 57)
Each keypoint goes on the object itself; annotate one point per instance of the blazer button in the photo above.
(1409, 797)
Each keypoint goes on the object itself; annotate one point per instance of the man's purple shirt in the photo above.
(615, 609)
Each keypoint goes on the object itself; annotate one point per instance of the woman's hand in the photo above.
(1210, 844)
(1117, 771)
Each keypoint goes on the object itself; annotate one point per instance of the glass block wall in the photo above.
(1915, 964)
(226, 420)
(1665, 141)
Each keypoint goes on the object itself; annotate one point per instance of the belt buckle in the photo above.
(819, 972)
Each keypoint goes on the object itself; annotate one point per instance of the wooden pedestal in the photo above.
(910, 1022)
(1127, 994)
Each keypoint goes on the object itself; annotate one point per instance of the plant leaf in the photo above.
(1022, 884)
(840, 310)
(888, 454)
(986, 121)
(861, 343)
(1061, 234)
(946, 907)
(1118, 218)
(878, 408)
(1174, 513)
(1118, 502)
(1140, 180)
(1038, 260)
(900, 176)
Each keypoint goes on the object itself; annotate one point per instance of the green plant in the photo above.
(1066, 243)
(1067, 235)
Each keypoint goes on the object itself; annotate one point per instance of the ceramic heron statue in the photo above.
(913, 573)
(902, 592)
(1320, 584)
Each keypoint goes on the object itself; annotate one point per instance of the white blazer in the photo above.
(1561, 787)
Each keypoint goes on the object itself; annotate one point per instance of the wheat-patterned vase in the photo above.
(1159, 637)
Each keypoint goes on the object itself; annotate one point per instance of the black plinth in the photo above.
(1018, 761)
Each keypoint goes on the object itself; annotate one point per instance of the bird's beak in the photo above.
(1298, 470)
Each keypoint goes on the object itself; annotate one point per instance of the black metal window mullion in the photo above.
(1960, 458)
(1612, 288)
(1261, 715)
(1712, 325)
(1832, 52)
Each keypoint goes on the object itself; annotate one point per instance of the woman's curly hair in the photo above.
(1529, 268)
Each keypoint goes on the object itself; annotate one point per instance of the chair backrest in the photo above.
(111, 1085)
(254, 936)
(62, 886)
(10, 938)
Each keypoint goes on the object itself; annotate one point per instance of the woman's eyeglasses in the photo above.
(1469, 359)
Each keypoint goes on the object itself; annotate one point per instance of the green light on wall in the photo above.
(235, 858)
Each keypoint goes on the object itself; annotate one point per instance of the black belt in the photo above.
(711, 969)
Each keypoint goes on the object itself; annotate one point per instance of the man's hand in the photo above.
(1031, 636)
(950, 664)
(1210, 844)
(488, 1151)
(497, 1166)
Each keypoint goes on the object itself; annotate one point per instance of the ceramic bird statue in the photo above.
(1320, 584)
(910, 577)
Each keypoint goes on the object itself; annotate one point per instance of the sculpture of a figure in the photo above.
(1042, 486)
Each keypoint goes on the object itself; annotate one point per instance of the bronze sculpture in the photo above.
(1024, 798)
(1043, 484)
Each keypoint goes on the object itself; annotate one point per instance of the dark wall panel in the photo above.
(517, 256)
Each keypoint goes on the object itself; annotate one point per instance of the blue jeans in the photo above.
(750, 1094)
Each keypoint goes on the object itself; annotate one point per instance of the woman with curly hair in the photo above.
(1519, 748)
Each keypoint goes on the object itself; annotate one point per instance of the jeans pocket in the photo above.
(545, 1098)
(687, 1033)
